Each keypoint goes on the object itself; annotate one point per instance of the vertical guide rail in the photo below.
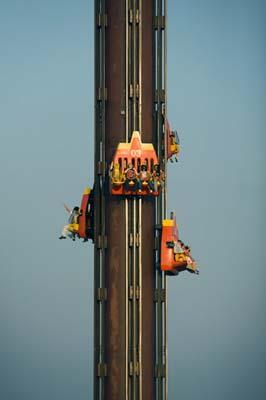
(128, 201)
(140, 200)
(133, 205)
(159, 50)
(134, 216)
(165, 305)
(100, 294)
(127, 277)
(129, 205)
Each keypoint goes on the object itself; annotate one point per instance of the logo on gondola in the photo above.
(135, 153)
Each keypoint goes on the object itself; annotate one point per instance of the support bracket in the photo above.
(159, 96)
(133, 371)
(157, 242)
(131, 292)
(102, 20)
(133, 18)
(102, 242)
(102, 94)
(101, 167)
(159, 22)
(137, 239)
(102, 294)
(101, 370)
(130, 239)
(160, 371)
(133, 90)
(160, 295)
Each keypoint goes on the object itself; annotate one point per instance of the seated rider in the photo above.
(179, 254)
(116, 175)
(178, 247)
(73, 219)
(156, 179)
(144, 177)
(191, 263)
(175, 144)
(131, 176)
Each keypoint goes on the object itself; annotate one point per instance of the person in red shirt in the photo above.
(131, 175)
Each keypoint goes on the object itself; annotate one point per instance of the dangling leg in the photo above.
(65, 232)
(151, 185)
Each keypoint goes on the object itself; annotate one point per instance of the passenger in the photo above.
(179, 254)
(131, 182)
(175, 144)
(178, 247)
(191, 263)
(156, 179)
(186, 250)
(182, 244)
(116, 175)
(73, 219)
(144, 177)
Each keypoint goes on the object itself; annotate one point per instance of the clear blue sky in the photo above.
(216, 97)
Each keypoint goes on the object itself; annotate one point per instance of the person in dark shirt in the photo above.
(156, 179)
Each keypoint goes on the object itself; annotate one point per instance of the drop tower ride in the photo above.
(135, 245)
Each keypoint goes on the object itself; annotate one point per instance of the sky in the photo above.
(216, 100)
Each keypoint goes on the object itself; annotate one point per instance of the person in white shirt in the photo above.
(178, 247)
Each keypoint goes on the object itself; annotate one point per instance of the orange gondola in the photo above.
(135, 169)
(82, 225)
(85, 229)
(173, 259)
